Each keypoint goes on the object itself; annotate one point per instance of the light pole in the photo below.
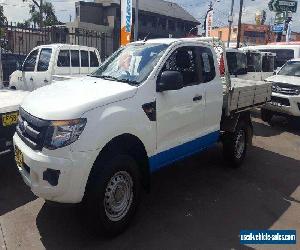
(136, 23)
(230, 20)
(240, 23)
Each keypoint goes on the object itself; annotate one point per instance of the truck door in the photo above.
(213, 91)
(180, 113)
(43, 74)
(28, 71)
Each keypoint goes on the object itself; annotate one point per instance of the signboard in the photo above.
(126, 21)
(209, 23)
(280, 17)
(278, 28)
(283, 5)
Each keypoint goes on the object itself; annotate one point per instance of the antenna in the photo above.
(146, 37)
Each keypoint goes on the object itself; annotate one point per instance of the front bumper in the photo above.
(72, 173)
(284, 104)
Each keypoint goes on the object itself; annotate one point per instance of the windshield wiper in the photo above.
(111, 78)
(130, 82)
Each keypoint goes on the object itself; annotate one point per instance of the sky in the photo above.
(17, 10)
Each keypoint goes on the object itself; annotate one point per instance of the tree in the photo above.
(3, 19)
(44, 16)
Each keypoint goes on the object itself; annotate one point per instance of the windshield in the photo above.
(237, 63)
(282, 55)
(268, 63)
(131, 64)
(290, 69)
(254, 62)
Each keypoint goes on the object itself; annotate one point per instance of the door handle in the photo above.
(197, 98)
(31, 79)
(46, 81)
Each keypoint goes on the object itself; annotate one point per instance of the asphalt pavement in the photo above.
(198, 203)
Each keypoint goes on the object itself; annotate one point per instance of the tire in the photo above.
(235, 145)
(295, 122)
(266, 115)
(113, 194)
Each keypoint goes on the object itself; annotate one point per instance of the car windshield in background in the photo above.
(237, 63)
(282, 55)
(290, 69)
(131, 64)
(254, 62)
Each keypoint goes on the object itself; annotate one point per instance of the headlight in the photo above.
(63, 133)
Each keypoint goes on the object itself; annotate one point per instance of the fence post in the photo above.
(102, 37)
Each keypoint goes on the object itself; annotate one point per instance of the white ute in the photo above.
(97, 139)
(54, 62)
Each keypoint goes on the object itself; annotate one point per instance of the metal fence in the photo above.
(19, 41)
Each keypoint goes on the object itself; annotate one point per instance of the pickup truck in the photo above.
(9, 106)
(54, 62)
(98, 139)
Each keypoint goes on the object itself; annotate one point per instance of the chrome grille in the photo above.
(286, 89)
(32, 130)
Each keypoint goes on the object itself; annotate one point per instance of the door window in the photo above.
(84, 58)
(94, 59)
(63, 58)
(183, 60)
(75, 58)
(208, 71)
(30, 61)
(44, 60)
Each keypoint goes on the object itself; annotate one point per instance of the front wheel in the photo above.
(113, 195)
(235, 145)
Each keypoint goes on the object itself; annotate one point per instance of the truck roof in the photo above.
(59, 45)
(169, 41)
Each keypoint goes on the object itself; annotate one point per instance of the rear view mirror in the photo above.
(169, 80)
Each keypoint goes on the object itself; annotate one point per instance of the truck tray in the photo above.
(246, 94)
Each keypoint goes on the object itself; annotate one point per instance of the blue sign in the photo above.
(278, 28)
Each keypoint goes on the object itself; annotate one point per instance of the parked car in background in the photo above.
(46, 62)
(250, 64)
(284, 51)
(10, 63)
(285, 93)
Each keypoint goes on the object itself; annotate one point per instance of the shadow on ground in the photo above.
(195, 204)
(13, 191)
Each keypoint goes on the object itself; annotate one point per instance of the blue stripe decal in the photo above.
(182, 151)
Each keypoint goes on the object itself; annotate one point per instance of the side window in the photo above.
(30, 61)
(93, 59)
(75, 58)
(183, 60)
(63, 58)
(207, 64)
(44, 60)
(84, 58)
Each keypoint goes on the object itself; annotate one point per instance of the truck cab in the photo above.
(44, 64)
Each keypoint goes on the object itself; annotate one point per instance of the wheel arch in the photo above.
(131, 145)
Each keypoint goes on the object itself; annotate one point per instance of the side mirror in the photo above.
(169, 80)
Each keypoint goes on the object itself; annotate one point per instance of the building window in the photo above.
(162, 23)
(171, 25)
(153, 21)
(144, 20)
(77, 11)
(180, 26)
(220, 34)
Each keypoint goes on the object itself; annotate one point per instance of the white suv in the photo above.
(285, 92)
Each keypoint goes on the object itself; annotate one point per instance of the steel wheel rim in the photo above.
(118, 196)
(240, 144)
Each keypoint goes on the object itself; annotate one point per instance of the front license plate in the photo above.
(10, 119)
(19, 157)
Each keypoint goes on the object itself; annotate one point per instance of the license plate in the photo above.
(19, 158)
(10, 119)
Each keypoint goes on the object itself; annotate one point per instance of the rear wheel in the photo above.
(266, 115)
(113, 194)
(235, 145)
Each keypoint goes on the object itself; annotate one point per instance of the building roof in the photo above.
(159, 7)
